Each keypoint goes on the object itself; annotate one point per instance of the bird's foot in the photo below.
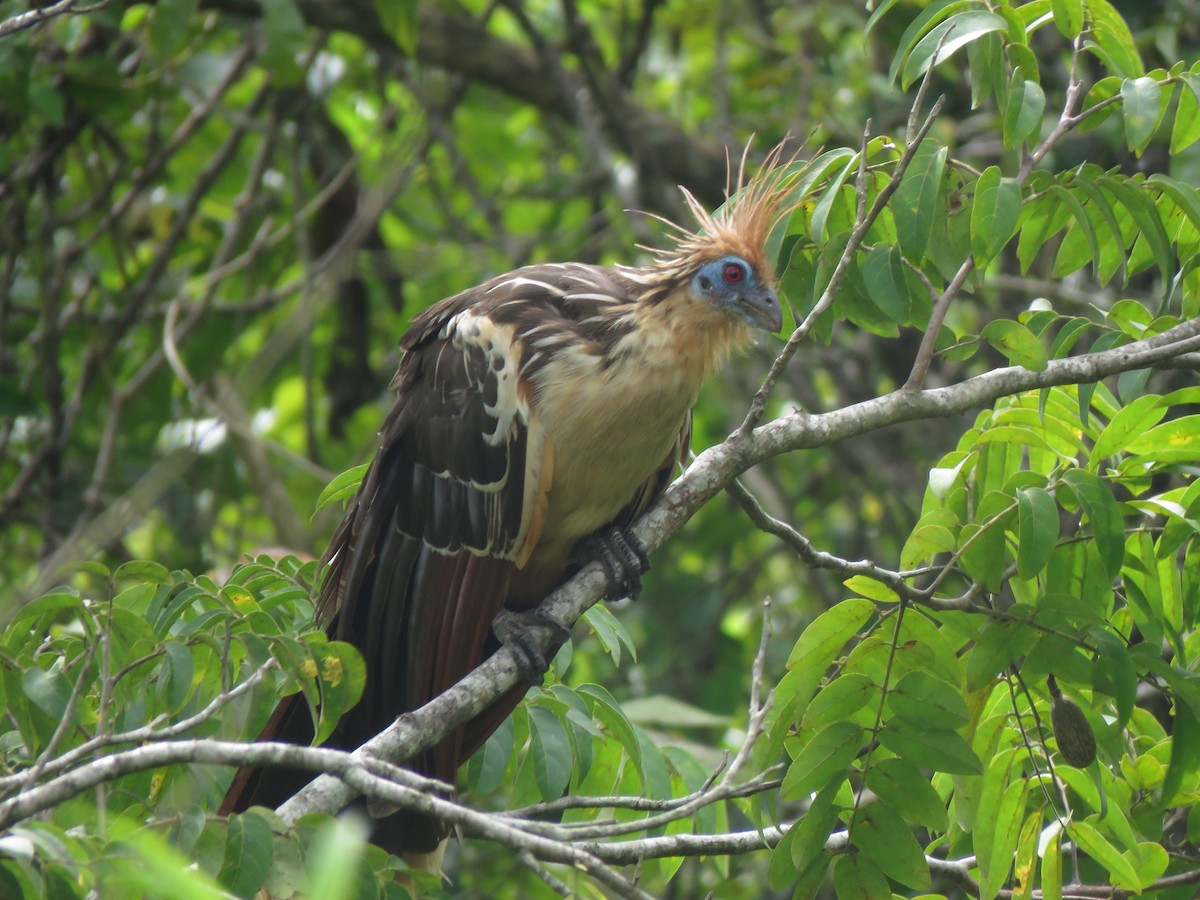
(623, 556)
(513, 629)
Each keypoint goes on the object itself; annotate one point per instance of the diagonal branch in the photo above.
(710, 473)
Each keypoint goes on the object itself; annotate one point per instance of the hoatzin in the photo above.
(533, 412)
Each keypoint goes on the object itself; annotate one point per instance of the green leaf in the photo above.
(1070, 333)
(983, 552)
(1099, 203)
(610, 631)
(1095, 845)
(53, 604)
(1143, 110)
(613, 718)
(399, 19)
(839, 700)
(1145, 215)
(1186, 129)
(914, 205)
(986, 828)
(872, 589)
(817, 170)
(829, 196)
(887, 841)
(989, 69)
(660, 710)
(286, 38)
(342, 486)
(46, 101)
(142, 570)
(813, 830)
(582, 729)
(857, 878)
(781, 871)
(178, 669)
(825, 635)
(1037, 530)
(1005, 829)
(1068, 17)
(928, 17)
(930, 748)
(883, 275)
(1103, 514)
(1098, 103)
(1067, 261)
(1150, 860)
(1130, 421)
(97, 570)
(1022, 59)
(1185, 197)
(821, 642)
(1018, 344)
(1042, 217)
(881, 9)
(342, 674)
(162, 872)
(49, 691)
(1185, 754)
(656, 780)
(822, 760)
(551, 752)
(900, 784)
(1052, 865)
(924, 700)
(249, 847)
(171, 25)
(995, 210)
(953, 33)
(1023, 112)
(488, 765)
(188, 828)
(334, 857)
(1112, 41)
(1025, 862)
(1176, 440)
(1115, 675)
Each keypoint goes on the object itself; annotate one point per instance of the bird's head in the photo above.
(731, 285)
(725, 262)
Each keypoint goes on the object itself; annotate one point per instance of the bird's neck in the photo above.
(681, 335)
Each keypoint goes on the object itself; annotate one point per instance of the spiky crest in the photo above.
(740, 226)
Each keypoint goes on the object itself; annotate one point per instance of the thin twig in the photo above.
(151, 732)
(33, 17)
(861, 227)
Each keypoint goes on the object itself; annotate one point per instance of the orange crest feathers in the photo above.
(742, 225)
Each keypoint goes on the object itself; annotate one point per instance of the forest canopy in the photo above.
(922, 617)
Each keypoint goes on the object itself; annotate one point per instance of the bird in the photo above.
(536, 416)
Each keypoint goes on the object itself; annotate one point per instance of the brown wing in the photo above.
(452, 504)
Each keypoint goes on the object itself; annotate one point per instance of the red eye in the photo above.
(733, 273)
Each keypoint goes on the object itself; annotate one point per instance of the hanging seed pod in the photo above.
(1075, 739)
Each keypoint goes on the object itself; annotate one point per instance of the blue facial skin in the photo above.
(729, 283)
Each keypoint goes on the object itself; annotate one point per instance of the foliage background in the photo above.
(216, 220)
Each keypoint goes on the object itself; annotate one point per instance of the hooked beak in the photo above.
(761, 310)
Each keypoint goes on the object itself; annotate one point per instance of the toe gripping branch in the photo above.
(623, 556)
(514, 629)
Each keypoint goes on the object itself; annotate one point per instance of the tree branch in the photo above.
(711, 471)
(465, 46)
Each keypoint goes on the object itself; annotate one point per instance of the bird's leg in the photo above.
(513, 630)
(623, 556)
